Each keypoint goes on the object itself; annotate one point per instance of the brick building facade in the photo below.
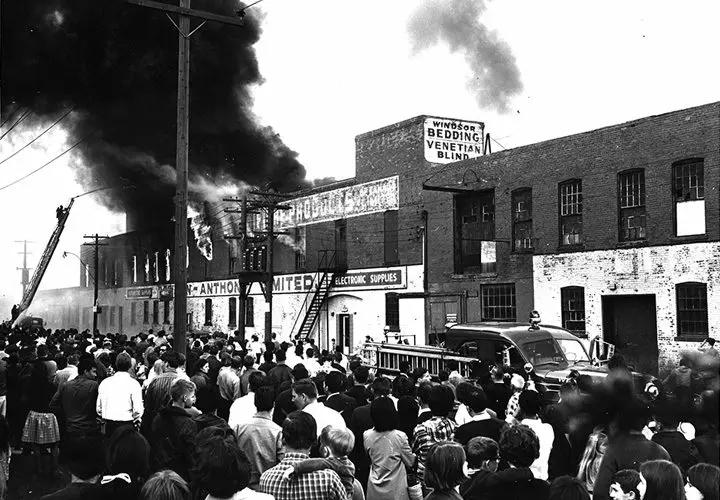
(592, 230)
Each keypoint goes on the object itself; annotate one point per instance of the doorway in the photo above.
(344, 332)
(629, 322)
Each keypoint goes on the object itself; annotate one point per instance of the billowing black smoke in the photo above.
(495, 77)
(115, 64)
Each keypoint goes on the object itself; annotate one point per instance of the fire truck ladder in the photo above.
(318, 295)
(44, 262)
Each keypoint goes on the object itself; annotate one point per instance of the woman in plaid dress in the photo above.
(41, 429)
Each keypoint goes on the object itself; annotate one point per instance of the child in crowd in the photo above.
(335, 445)
(624, 485)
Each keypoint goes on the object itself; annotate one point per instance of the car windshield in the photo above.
(573, 349)
(543, 352)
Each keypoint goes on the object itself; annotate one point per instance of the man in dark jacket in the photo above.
(682, 452)
(174, 430)
(75, 401)
(519, 448)
(281, 372)
(359, 390)
(336, 398)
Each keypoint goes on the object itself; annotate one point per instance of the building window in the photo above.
(390, 238)
(156, 312)
(573, 309)
(112, 315)
(300, 249)
(250, 311)
(232, 311)
(631, 205)
(134, 269)
(156, 267)
(167, 265)
(341, 243)
(522, 219)
(475, 232)
(166, 312)
(133, 312)
(146, 312)
(392, 311)
(147, 269)
(692, 309)
(208, 312)
(498, 303)
(689, 191)
(571, 231)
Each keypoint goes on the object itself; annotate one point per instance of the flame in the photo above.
(202, 231)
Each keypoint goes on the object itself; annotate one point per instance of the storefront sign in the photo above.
(342, 203)
(143, 292)
(448, 140)
(373, 279)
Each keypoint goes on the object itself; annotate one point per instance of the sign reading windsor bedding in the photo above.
(448, 140)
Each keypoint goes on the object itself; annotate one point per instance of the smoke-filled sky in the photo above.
(318, 73)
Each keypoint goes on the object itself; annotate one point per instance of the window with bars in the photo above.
(573, 309)
(475, 232)
(392, 311)
(571, 229)
(692, 309)
(208, 312)
(689, 194)
(522, 219)
(498, 302)
(631, 206)
(232, 311)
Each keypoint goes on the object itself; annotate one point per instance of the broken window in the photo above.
(631, 205)
(300, 257)
(522, 219)
(573, 309)
(498, 302)
(571, 229)
(475, 232)
(692, 309)
(689, 191)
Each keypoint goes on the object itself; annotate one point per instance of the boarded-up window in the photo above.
(390, 233)
(689, 192)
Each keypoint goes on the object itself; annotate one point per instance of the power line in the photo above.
(46, 164)
(38, 136)
(17, 108)
(24, 115)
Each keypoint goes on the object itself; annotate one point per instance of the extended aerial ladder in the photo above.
(62, 216)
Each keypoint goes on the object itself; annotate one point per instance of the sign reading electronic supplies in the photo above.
(448, 140)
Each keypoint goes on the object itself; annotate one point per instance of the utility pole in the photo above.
(25, 277)
(270, 202)
(181, 162)
(97, 244)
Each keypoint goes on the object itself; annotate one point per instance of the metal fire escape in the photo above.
(328, 266)
(62, 216)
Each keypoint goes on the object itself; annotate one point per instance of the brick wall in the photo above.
(654, 270)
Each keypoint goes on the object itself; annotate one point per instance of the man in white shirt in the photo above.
(119, 399)
(312, 365)
(243, 409)
(529, 407)
(304, 395)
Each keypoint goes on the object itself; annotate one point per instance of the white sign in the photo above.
(342, 203)
(448, 140)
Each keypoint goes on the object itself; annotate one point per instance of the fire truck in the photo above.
(552, 353)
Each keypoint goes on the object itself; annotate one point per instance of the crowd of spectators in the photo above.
(131, 418)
